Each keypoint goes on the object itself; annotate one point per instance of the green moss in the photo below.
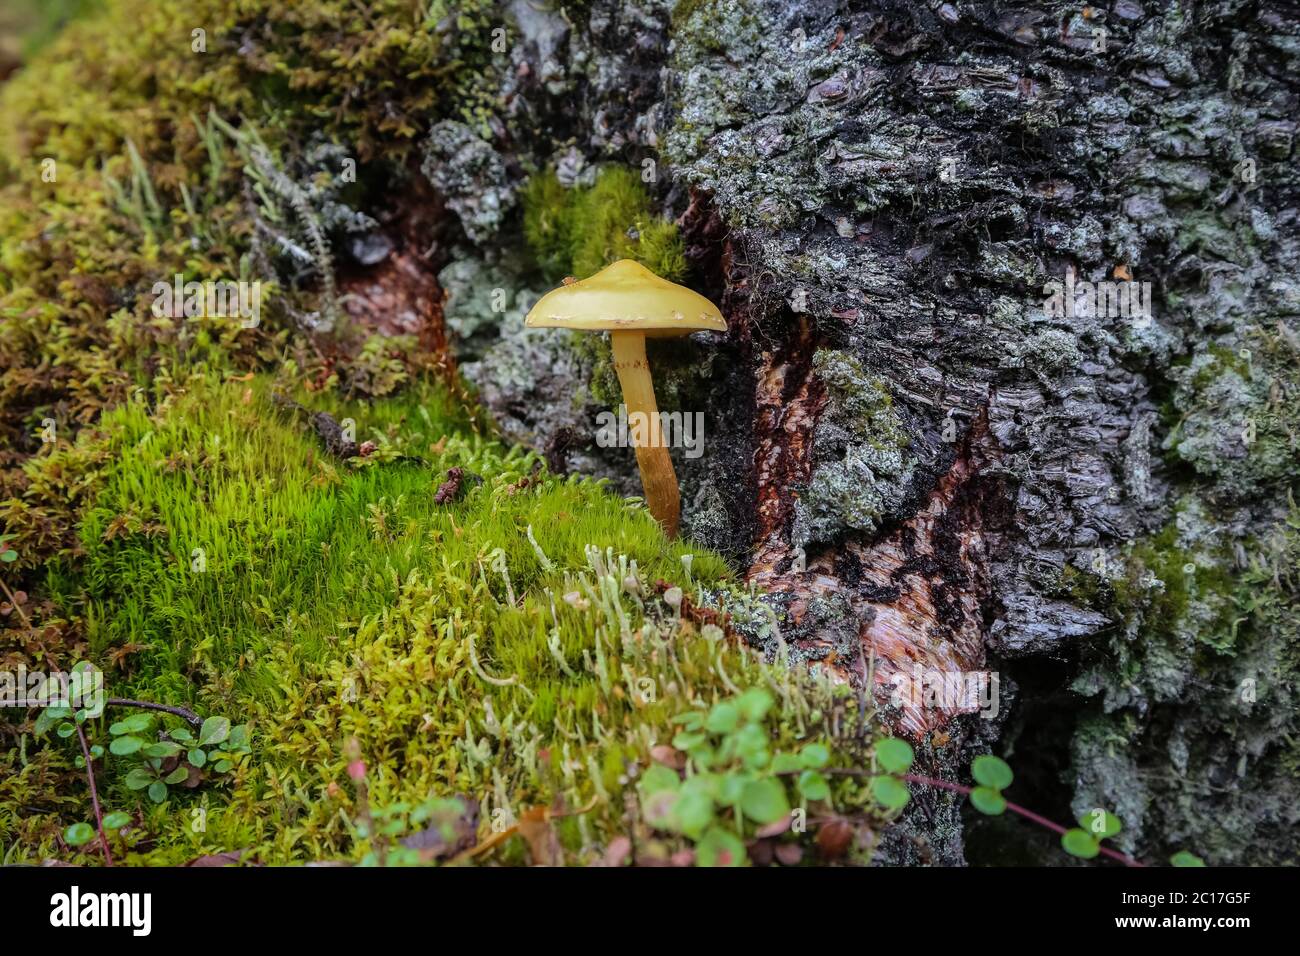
(195, 541)
(1183, 575)
(1234, 415)
(603, 382)
(547, 223)
(578, 231)
(1210, 635)
(683, 10)
(1080, 587)
(1219, 359)
(509, 647)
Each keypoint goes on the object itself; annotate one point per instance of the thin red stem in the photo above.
(94, 795)
(14, 601)
(1016, 808)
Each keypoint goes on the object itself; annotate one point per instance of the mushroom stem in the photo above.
(657, 476)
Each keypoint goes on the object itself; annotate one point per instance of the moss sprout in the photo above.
(579, 230)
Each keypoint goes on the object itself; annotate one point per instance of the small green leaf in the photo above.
(723, 718)
(987, 800)
(1080, 843)
(85, 679)
(693, 812)
(1102, 824)
(139, 778)
(66, 729)
(135, 724)
(214, 731)
(8, 556)
(656, 778)
(787, 763)
(1184, 858)
(814, 786)
(658, 809)
(125, 745)
(79, 834)
(44, 721)
(157, 791)
(690, 720)
(238, 737)
(163, 748)
(720, 847)
(222, 766)
(991, 771)
(751, 738)
(116, 820)
(181, 734)
(815, 756)
(895, 755)
(752, 746)
(704, 757)
(179, 775)
(890, 792)
(730, 788)
(754, 704)
(764, 800)
(688, 740)
(199, 758)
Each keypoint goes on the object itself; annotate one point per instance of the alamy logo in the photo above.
(81, 688)
(74, 909)
(209, 300)
(958, 692)
(643, 430)
(1112, 299)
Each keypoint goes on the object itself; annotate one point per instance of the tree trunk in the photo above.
(1009, 389)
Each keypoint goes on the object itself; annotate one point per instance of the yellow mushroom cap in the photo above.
(626, 296)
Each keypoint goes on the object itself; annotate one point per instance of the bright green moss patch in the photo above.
(579, 230)
(510, 648)
(1162, 578)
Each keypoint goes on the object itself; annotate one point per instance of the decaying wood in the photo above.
(917, 592)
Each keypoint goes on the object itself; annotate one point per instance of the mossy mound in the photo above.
(514, 648)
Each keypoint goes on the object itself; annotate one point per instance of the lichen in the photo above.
(1239, 419)
(483, 300)
(1195, 618)
(861, 471)
(471, 177)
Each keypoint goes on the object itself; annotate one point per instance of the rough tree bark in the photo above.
(920, 458)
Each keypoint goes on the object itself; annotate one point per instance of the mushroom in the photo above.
(633, 304)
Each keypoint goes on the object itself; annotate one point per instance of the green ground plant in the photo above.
(521, 646)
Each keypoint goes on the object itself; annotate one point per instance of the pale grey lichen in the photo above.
(861, 469)
(471, 177)
(481, 301)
